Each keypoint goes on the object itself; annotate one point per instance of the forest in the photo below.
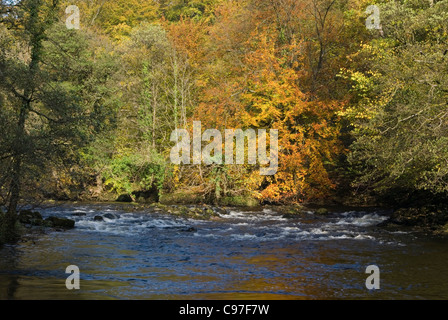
(92, 90)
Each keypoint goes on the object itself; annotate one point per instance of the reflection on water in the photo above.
(257, 256)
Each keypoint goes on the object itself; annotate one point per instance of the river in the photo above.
(257, 255)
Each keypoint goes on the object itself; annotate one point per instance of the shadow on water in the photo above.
(9, 283)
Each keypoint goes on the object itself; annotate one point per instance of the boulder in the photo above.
(425, 218)
(239, 201)
(31, 217)
(220, 211)
(290, 211)
(98, 218)
(62, 223)
(111, 216)
(207, 213)
(124, 198)
(420, 217)
(321, 211)
(79, 214)
(181, 198)
(190, 229)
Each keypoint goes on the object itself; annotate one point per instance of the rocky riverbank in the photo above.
(428, 219)
(433, 220)
(30, 219)
(30, 224)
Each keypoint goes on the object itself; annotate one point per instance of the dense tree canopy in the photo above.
(401, 102)
(90, 112)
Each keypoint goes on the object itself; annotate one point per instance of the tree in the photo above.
(189, 9)
(274, 64)
(52, 103)
(115, 18)
(399, 109)
(157, 86)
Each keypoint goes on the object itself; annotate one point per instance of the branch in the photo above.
(13, 90)
(7, 156)
(97, 12)
(403, 120)
(45, 116)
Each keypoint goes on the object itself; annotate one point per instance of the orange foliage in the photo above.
(256, 80)
(274, 99)
(262, 65)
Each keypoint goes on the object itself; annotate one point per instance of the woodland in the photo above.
(87, 113)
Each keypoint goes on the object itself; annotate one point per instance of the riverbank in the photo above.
(411, 211)
(430, 220)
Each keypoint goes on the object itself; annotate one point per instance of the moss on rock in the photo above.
(33, 218)
(321, 211)
(421, 217)
(181, 198)
(240, 201)
(291, 211)
(202, 212)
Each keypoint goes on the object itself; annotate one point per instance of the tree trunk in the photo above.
(154, 115)
(19, 144)
(16, 174)
(176, 89)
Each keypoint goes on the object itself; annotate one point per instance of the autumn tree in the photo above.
(196, 10)
(115, 18)
(275, 64)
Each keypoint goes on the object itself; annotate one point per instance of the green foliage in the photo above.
(239, 201)
(57, 93)
(131, 173)
(192, 9)
(400, 117)
(96, 106)
(181, 197)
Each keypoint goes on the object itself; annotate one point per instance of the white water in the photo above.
(237, 225)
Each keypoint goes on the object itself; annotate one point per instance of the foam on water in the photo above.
(127, 223)
(237, 225)
(265, 215)
(365, 220)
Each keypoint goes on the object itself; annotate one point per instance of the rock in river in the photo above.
(220, 211)
(31, 217)
(190, 229)
(79, 214)
(62, 223)
(321, 211)
(111, 216)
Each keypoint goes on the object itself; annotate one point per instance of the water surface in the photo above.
(253, 255)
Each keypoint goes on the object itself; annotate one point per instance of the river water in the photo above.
(256, 255)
